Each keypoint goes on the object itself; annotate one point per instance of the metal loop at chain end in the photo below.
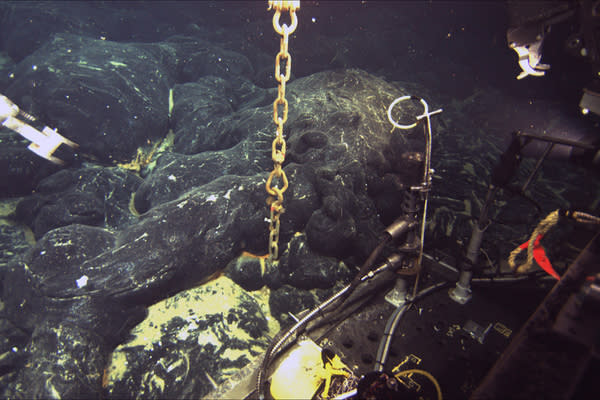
(284, 29)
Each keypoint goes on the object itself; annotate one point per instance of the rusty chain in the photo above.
(275, 199)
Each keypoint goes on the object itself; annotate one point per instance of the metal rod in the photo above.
(556, 140)
(538, 166)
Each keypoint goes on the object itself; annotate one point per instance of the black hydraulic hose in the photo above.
(342, 294)
(504, 279)
(275, 346)
(390, 327)
(368, 264)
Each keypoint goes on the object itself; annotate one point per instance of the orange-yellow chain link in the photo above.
(280, 104)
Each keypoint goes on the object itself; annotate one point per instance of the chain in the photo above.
(275, 198)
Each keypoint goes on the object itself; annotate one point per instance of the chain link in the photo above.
(280, 105)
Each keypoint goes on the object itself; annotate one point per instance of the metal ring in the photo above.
(403, 98)
(281, 29)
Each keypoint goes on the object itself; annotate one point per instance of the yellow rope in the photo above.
(542, 228)
(426, 374)
(583, 217)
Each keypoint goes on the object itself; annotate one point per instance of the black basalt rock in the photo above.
(89, 196)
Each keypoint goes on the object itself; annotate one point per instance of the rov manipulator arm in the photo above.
(43, 143)
(584, 150)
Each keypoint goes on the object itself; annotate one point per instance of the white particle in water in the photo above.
(81, 282)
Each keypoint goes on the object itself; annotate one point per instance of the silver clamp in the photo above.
(529, 59)
(43, 143)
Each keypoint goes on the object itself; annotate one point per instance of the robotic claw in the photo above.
(526, 37)
(531, 22)
(43, 143)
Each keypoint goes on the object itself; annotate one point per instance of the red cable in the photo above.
(539, 254)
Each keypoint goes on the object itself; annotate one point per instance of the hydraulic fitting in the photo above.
(397, 295)
(461, 293)
(399, 227)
